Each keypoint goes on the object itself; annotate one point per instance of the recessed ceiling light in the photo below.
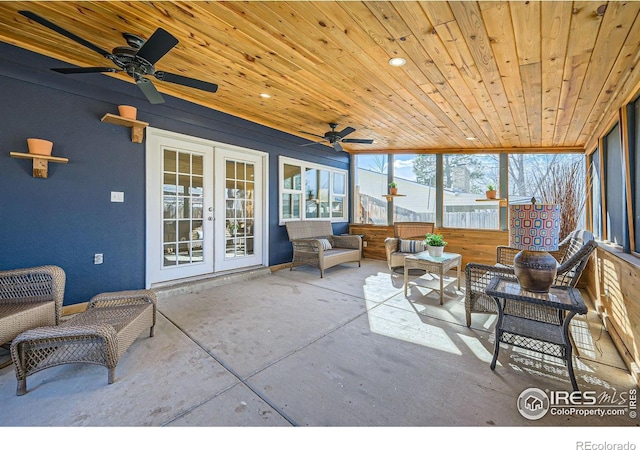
(470, 138)
(397, 62)
(265, 95)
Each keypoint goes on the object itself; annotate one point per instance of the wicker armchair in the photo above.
(315, 244)
(573, 255)
(404, 230)
(29, 298)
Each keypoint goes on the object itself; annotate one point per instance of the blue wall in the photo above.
(68, 217)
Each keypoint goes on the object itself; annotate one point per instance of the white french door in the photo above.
(239, 219)
(205, 207)
(179, 207)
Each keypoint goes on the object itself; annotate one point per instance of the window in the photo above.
(311, 191)
(291, 197)
(596, 193)
(416, 178)
(465, 180)
(551, 178)
(372, 182)
(615, 200)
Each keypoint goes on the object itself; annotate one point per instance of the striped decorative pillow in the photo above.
(325, 243)
(411, 246)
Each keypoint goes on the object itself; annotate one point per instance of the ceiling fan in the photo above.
(137, 59)
(334, 137)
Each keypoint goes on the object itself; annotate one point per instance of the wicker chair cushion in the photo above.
(326, 244)
(411, 246)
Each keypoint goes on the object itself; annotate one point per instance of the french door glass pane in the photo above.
(182, 202)
(239, 211)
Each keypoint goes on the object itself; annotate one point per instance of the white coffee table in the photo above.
(437, 265)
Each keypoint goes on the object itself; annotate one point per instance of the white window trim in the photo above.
(308, 165)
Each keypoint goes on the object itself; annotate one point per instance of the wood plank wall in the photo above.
(474, 245)
(612, 284)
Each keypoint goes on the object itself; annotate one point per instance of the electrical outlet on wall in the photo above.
(98, 258)
(117, 197)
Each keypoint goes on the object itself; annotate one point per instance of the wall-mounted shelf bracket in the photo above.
(390, 197)
(137, 127)
(40, 162)
(502, 202)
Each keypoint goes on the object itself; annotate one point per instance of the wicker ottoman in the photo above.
(99, 335)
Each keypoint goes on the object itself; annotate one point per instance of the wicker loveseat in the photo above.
(29, 298)
(315, 244)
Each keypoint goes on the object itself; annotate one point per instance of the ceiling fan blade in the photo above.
(186, 81)
(71, 70)
(346, 131)
(358, 141)
(310, 143)
(62, 31)
(157, 46)
(312, 134)
(150, 91)
(337, 147)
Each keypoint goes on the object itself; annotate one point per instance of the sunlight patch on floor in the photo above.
(399, 323)
(378, 288)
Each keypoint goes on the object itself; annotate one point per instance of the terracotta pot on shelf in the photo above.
(491, 194)
(39, 146)
(129, 112)
(393, 191)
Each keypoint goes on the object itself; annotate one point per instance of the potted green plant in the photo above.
(393, 188)
(435, 244)
(491, 191)
(233, 228)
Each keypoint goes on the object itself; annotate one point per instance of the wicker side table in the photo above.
(535, 321)
(433, 264)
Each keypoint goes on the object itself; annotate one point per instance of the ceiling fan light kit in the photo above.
(137, 60)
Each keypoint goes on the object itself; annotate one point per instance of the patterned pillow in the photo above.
(325, 243)
(411, 246)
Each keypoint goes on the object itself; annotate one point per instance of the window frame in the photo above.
(614, 176)
(304, 166)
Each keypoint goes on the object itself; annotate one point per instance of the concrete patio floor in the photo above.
(293, 349)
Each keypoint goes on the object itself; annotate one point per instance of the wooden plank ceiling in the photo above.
(512, 75)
